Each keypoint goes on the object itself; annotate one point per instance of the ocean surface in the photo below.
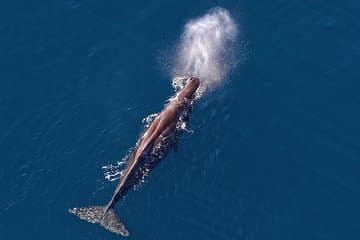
(275, 152)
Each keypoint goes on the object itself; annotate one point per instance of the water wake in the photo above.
(206, 49)
(113, 172)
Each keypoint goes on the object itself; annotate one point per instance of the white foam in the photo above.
(114, 172)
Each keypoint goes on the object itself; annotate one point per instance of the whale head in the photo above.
(188, 91)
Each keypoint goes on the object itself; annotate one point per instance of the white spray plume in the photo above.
(205, 49)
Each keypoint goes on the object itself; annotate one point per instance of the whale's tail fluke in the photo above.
(102, 215)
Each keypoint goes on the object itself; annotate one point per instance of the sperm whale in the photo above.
(152, 146)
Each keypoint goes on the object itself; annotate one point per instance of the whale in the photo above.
(153, 145)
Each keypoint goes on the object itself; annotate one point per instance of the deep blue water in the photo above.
(275, 153)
